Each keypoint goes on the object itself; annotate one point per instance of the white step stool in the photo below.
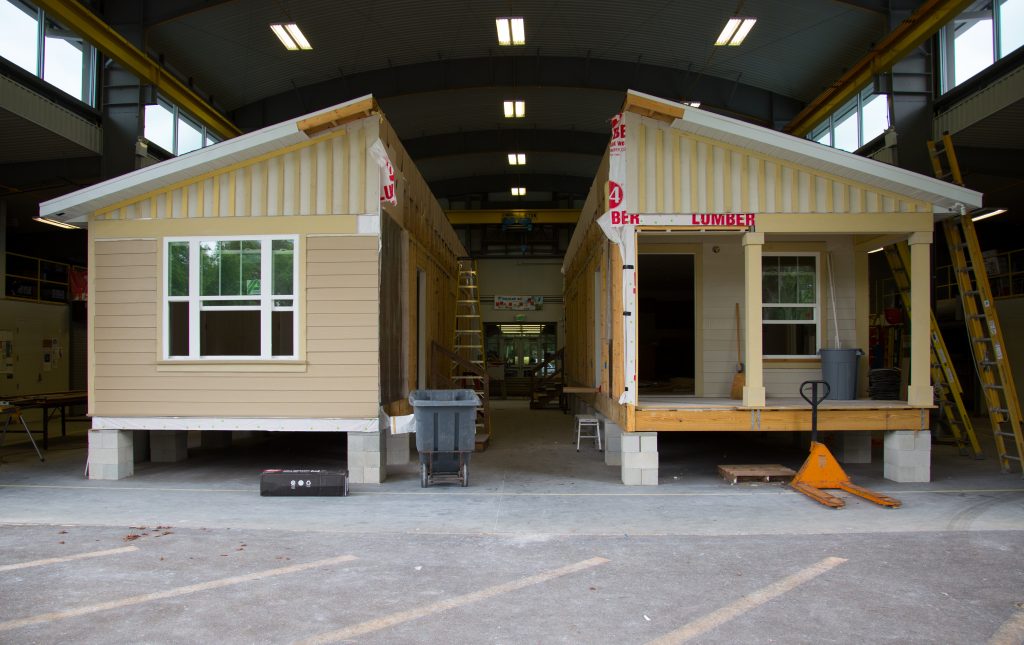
(587, 427)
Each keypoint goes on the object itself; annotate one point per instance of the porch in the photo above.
(667, 413)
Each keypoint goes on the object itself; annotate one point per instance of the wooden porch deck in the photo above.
(664, 413)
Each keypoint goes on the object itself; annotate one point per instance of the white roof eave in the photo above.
(77, 206)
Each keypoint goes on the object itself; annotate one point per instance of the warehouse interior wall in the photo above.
(35, 352)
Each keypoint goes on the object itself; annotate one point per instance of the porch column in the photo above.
(753, 391)
(919, 393)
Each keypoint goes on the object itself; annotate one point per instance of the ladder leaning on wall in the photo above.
(469, 345)
(983, 329)
(947, 385)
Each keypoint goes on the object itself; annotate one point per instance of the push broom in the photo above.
(740, 379)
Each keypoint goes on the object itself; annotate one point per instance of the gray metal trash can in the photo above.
(445, 432)
(839, 370)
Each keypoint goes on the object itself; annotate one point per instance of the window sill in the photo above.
(231, 366)
(793, 363)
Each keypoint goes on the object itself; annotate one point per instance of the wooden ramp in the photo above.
(734, 473)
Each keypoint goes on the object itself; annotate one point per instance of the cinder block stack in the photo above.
(110, 454)
(612, 443)
(908, 455)
(640, 458)
(366, 457)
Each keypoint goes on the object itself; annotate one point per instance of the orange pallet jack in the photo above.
(821, 470)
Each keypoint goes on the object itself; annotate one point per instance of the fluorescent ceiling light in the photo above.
(518, 191)
(514, 109)
(511, 31)
(695, 104)
(54, 222)
(876, 250)
(735, 30)
(985, 215)
(290, 36)
(517, 159)
(521, 330)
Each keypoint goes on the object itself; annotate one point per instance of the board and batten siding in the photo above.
(670, 171)
(330, 173)
(340, 375)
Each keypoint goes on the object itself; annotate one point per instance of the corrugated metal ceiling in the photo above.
(231, 52)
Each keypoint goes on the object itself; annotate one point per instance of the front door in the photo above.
(666, 324)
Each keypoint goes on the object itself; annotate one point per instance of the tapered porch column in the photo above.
(919, 393)
(753, 391)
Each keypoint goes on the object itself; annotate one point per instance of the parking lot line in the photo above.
(67, 558)
(451, 603)
(721, 616)
(169, 593)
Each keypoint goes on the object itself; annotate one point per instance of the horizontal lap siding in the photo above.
(340, 379)
(723, 288)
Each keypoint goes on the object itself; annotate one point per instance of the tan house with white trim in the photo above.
(290, 279)
(716, 227)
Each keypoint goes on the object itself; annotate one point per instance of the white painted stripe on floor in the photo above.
(1011, 632)
(169, 593)
(779, 490)
(378, 624)
(721, 616)
(67, 558)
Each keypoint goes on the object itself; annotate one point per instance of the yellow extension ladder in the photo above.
(983, 329)
(947, 386)
(986, 338)
(469, 345)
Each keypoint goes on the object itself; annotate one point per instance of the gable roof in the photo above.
(76, 207)
(946, 198)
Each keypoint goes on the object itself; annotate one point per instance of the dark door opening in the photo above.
(666, 334)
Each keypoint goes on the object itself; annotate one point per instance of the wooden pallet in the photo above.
(733, 473)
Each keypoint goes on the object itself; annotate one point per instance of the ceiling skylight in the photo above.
(518, 191)
(517, 159)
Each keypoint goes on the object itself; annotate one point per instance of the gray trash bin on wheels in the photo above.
(445, 433)
(839, 370)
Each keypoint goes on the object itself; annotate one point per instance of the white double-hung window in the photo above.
(791, 312)
(230, 298)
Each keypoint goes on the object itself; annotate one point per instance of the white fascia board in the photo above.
(77, 206)
(944, 196)
(271, 424)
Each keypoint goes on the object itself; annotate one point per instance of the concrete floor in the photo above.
(544, 546)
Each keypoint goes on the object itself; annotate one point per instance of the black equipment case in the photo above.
(304, 483)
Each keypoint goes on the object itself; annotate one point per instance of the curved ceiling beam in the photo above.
(483, 184)
(483, 141)
(726, 95)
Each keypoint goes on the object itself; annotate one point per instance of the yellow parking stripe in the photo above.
(451, 603)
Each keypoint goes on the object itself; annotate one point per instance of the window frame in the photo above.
(90, 55)
(267, 297)
(983, 10)
(207, 137)
(817, 307)
(854, 106)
